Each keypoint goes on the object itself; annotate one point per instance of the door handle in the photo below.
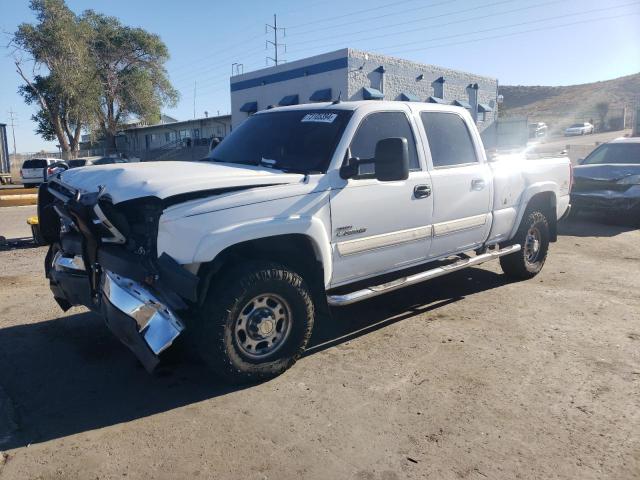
(477, 184)
(422, 191)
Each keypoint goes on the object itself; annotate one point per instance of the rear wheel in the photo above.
(255, 323)
(533, 236)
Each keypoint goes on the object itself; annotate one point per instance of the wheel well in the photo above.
(295, 251)
(546, 202)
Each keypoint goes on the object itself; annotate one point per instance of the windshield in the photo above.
(614, 153)
(577, 125)
(295, 140)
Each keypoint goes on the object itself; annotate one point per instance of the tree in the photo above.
(130, 66)
(62, 81)
(602, 108)
(89, 72)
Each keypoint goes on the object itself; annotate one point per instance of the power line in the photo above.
(220, 63)
(321, 20)
(540, 29)
(189, 64)
(219, 66)
(555, 17)
(362, 20)
(431, 17)
(462, 42)
(275, 43)
(12, 118)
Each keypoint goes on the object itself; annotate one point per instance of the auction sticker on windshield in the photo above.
(320, 117)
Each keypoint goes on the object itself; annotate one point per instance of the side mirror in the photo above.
(392, 159)
(580, 161)
(349, 168)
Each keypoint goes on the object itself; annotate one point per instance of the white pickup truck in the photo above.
(298, 209)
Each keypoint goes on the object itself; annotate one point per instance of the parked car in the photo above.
(299, 208)
(538, 129)
(583, 128)
(608, 180)
(32, 170)
(85, 162)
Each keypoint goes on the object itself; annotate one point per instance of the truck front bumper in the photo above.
(131, 310)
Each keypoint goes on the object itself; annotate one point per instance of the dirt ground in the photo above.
(468, 376)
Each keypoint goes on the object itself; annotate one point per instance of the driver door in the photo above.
(379, 227)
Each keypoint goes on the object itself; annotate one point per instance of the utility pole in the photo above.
(275, 43)
(194, 97)
(13, 131)
(237, 69)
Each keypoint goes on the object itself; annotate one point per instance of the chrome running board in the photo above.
(374, 291)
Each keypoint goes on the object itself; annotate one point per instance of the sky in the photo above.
(524, 42)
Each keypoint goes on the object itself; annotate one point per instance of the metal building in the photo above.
(357, 75)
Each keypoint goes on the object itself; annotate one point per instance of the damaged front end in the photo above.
(104, 256)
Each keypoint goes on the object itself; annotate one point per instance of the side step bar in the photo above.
(374, 291)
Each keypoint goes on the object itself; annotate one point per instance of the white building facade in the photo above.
(356, 75)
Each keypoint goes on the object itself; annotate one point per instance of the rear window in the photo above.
(34, 163)
(104, 161)
(77, 163)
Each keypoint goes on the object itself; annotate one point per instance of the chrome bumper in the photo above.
(156, 323)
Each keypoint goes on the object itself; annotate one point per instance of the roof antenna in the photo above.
(335, 102)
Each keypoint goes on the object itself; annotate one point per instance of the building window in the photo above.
(219, 130)
(196, 133)
(167, 137)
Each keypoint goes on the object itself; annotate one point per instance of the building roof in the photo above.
(325, 62)
(176, 124)
(354, 105)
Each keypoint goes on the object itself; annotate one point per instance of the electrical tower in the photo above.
(276, 42)
(13, 131)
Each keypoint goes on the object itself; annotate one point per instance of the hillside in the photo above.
(559, 106)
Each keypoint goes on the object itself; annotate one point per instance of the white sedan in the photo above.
(583, 128)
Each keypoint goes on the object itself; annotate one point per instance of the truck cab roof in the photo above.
(368, 105)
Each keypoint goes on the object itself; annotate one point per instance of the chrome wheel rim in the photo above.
(532, 245)
(263, 326)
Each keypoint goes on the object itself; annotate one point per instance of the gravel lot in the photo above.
(468, 376)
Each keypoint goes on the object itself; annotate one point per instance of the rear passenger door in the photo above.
(462, 185)
(380, 226)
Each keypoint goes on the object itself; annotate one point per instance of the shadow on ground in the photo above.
(595, 225)
(69, 375)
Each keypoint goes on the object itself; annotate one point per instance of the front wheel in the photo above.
(533, 236)
(255, 323)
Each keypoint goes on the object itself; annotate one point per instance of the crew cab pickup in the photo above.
(300, 209)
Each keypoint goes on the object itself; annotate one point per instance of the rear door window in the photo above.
(449, 139)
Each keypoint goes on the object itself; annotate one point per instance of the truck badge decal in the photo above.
(348, 230)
